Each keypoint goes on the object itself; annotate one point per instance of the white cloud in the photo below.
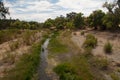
(40, 10)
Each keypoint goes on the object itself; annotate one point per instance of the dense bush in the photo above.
(90, 41)
(108, 47)
(66, 72)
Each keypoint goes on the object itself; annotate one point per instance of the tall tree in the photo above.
(114, 12)
(71, 16)
(3, 10)
(48, 23)
(79, 21)
(60, 22)
(95, 19)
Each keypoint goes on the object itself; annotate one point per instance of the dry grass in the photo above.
(14, 45)
(11, 51)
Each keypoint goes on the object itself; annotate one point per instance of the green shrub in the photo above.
(108, 47)
(66, 72)
(82, 33)
(90, 41)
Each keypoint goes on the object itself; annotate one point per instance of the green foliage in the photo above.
(20, 25)
(108, 21)
(113, 15)
(95, 19)
(17, 24)
(60, 22)
(48, 23)
(90, 41)
(3, 10)
(79, 21)
(71, 16)
(69, 25)
(108, 47)
(66, 72)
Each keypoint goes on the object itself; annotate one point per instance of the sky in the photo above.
(40, 10)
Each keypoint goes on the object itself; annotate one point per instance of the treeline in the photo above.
(17, 24)
(97, 20)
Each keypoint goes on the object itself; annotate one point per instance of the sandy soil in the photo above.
(102, 37)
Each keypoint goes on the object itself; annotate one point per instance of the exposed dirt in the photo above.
(102, 37)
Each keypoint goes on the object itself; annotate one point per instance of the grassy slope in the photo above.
(26, 66)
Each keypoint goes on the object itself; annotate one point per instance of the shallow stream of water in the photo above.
(43, 61)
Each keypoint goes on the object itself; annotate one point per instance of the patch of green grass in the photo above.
(56, 47)
(108, 47)
(90, 41)
(26, 66)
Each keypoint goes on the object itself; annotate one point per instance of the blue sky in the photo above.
(40, 10)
